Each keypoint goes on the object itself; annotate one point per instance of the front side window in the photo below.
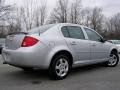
(92, 35)
(73, 32)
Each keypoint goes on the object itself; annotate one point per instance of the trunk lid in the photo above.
(14, 40)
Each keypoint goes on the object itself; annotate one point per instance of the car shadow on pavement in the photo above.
(42, 75)
(87, 70)
(31, 75)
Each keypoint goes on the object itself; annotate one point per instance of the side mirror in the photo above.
(110, 41)
(103, 40)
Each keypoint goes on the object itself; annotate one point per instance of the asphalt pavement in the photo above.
(93, 77)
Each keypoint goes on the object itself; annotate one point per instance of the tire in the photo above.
(113, 60)
(59, 67)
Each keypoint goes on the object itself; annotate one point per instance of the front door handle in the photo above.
(73, 43)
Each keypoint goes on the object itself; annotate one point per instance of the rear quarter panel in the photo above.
(55, 43)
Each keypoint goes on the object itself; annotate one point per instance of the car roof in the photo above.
(62, 24)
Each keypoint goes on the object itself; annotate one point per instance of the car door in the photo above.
(75, 39)
(97, 47)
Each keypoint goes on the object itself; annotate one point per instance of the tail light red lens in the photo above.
(29, 41)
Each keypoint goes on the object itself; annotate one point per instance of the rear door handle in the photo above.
(93, 44)
(73, 43)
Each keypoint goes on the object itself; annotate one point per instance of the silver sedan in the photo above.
(58, 48)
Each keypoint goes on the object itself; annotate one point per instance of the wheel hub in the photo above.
(112, 60)
(62, 67)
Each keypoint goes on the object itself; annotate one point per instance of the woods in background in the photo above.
(33, 14)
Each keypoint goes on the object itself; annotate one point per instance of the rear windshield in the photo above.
(40, 29)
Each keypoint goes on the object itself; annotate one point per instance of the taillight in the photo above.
(29, 41)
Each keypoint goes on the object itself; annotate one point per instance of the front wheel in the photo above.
(113, 60)
(60, 67)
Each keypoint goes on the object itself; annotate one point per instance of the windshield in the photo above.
(40, 29)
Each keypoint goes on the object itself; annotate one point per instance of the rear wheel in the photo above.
(60, 67)
(113, 60)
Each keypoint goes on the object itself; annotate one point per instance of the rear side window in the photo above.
(73, 32)
(40, 29)
(65, 31)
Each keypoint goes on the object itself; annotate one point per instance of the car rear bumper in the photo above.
(25, 58)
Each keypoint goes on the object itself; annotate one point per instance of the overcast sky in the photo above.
(110, 7)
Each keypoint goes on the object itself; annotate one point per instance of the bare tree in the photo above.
(30, 16)
(75, 12)
(93, 18)
(28, 13)
(113, 26)
(86, 16)
(15, 20)
(5, 11)
(97, 19)
(23, 17)
(60, 12)
(41, 13)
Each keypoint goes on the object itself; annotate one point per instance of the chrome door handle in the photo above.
(93, 44)
(73, 43)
